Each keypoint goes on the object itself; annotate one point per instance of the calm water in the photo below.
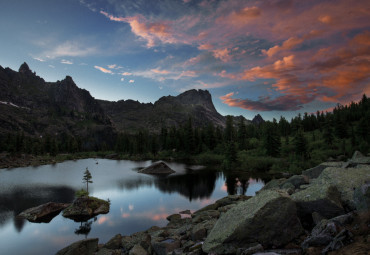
(138, 201)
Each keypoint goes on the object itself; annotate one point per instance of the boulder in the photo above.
(43, 213)
(201, 230)
(321, 198)
(296, 181)
(273, 184)
(269, 218)
(157, 168)
(251, 250)
(174, 217)
(357, 155)
(86, 247)
(346, 180)
(105, 251)
(114, 243)
(315, 172)
(325, 231)
(361, 197)
(85, 208)
(205, 215)
(138, 250)
(165, 246)
(140, 238)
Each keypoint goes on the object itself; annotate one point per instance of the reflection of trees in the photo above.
(84, 228)
(135, 183)
(237, 183)
(199, 184)
(19, 199)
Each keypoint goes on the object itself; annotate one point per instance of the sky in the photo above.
(272, 57)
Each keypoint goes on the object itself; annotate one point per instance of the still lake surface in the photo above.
(138, 201)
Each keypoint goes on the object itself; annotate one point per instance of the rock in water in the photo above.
(84, 208)
(269, 218)
(86, 247)
(43, 213)
(159, 168)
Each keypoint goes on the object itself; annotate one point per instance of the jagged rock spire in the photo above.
(24, 69)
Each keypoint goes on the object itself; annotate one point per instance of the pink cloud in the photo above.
(158, 71)
(287, 45)
(126, 74)
(222, 54)
(298, 60)
(103, 69)
(281, 103)
(206, 46)
(149, 31)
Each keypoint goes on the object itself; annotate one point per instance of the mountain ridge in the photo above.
(42, 107)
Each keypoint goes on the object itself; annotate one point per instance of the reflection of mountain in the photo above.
(193, 186)
(19, 199)
(136, 183)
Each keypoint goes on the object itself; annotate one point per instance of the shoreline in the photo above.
(316, 212)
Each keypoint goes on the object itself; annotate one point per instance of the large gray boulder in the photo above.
(296, 181)
(269, 218)
(321, 198)
(157, 168)
(346, 180)
(361, 197)
(359, 158)
(43, 213)
(86, 247)
(315, 172)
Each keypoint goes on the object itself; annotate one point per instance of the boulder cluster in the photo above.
(324, 210)
(82, 209)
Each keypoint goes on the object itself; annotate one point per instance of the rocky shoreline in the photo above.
(326, 210)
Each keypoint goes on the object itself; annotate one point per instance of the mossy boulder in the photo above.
(84, 208)
(322, 198)
(87, 246)
(315, 172)
(346, 180)
(269, 218)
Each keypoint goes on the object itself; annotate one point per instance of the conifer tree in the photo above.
(272, 141)
(242, 135)
(229, 129)
(300, 144)
(87, 179)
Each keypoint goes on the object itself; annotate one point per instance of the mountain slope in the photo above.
(38, 108)
(167, 111)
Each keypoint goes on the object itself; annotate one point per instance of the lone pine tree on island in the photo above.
(87, 178)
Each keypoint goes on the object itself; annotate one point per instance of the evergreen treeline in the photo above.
(274, 145)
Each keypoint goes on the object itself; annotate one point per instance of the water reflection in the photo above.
(18, 199)
(85, 227)
(197, 185)
(138, 201)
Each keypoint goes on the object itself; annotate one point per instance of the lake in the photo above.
(138, 201)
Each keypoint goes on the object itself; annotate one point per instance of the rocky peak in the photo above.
(258, 119)
(197, 97)
(24, 69)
